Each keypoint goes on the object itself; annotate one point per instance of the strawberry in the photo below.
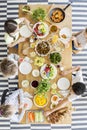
(47, 69)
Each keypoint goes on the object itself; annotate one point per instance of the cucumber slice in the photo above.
(36, 116)
(41, 117)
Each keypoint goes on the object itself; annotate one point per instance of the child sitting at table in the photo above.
(79, 41)
(78, 88)
(9, 66)
(12, 28)
(12, 103)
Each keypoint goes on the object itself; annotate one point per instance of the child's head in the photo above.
(10, 26)
(8, 68)
(79, 88)
(6, 110)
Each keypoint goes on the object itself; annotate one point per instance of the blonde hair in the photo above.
(7, 67)
(5, 110)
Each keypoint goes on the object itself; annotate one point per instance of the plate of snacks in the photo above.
(42, 48)
(41, 29)
(35, 116)
(48, 71)
(57, 15)
(65, 35)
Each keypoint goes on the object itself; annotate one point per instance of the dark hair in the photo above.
(10, 26)
(79, 88)
(86, 30)
(4, 96)
(7, 67)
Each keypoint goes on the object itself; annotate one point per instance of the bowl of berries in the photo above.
(41, 29)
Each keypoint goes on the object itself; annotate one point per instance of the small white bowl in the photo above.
(35, 73)
(25, 83)
(55, 101)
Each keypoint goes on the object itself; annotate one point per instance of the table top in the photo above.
(66, 55)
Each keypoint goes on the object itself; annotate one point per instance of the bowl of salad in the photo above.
(41, 29)
(48, 71)
(55, 57)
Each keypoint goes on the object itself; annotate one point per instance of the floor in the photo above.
(9, 9)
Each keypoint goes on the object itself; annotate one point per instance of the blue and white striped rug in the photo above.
(9, 9)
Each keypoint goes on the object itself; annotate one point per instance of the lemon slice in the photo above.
(54, 39)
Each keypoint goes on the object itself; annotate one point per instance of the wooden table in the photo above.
(66, 55)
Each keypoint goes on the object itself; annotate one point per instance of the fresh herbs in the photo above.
(43, 86)
(39, 14)
(55, 57)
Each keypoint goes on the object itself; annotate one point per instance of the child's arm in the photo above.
(76, 43)
(18, 117)
(73, 69)
(61, 105)
(15, 94)
(13, 56)
(21, 39)
(76, 34)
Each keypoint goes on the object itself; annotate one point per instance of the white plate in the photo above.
(42, 72)
(29, 103)
(68, 34)
(63, 83)
(47, 29)
(25, 32)
(25, 67)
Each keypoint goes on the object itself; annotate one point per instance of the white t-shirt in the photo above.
(25, 32)
(13, 100)
(81, 40)
(75, 79)
(8, 38)
(14, 58)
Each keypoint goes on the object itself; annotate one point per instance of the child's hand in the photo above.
(22, 39)
(47, 113)
(79, 46)
(21, 105)
(25, 106)
(73, 38)
(63, 73)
